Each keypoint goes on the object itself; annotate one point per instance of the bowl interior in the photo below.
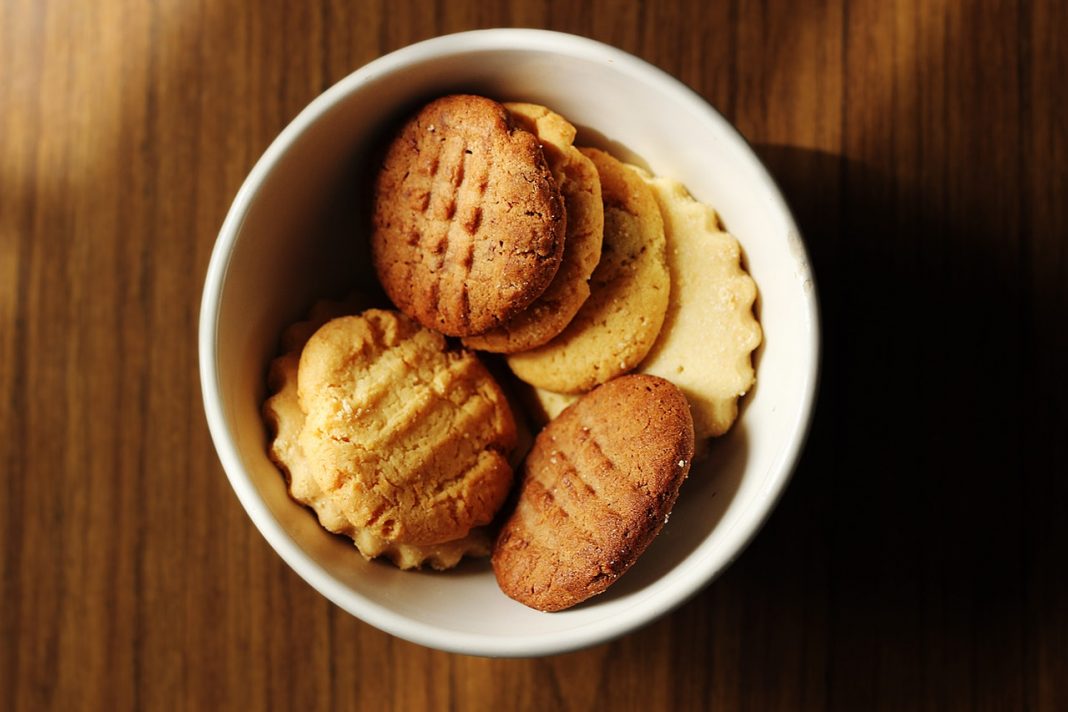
(298, 232)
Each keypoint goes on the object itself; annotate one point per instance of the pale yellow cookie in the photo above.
(580, 188)
(618, 323)
(286, 420)
(542, 405)
(710, 331)
(409, 438)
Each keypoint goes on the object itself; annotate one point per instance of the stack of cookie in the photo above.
(591, 277)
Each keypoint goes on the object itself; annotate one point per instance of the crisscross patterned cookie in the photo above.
(580, 187)
(286, 418)
(468, 220)
(596, 489)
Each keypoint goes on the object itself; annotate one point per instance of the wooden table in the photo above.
(920, 557)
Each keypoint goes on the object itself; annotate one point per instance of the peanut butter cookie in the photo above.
(597, 487)
(410, 439)
(285, 420)
(580, 188)
(468, 220)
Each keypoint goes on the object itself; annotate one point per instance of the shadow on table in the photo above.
(922, 540)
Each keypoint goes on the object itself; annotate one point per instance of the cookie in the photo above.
(597, 488)
(468, 220)
(542, 405)
(710, 331)
(408, 438)
(322, 311)
(618, 323)
(580, 188)
(285, 418)
(285, 421)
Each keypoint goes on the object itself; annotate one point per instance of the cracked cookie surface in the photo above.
(468, 219)
(597, 487)
(285, 420)
(580, 187)
(408, 438)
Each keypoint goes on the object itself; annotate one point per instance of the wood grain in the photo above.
(918, 560)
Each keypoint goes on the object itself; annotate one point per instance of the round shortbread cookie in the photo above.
(285, 421)
(580, 188)
(617, 325)
(408, 438)
(597, 488)
(710, 331)
(468, 220)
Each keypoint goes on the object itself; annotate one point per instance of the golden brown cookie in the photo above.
(580, 188)
(410, 439)
(597, 487)
(617, 325)
(468, 220)
(710, 331)
(285, 420)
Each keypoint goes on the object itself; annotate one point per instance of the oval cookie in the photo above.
(617, 325)
(285, 421)
(408, 439)
(580, 187)
(597, 487)
(468, 220)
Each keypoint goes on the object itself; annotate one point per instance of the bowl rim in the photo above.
(313, 573)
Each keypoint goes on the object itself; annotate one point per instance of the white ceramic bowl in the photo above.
(283, 244)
